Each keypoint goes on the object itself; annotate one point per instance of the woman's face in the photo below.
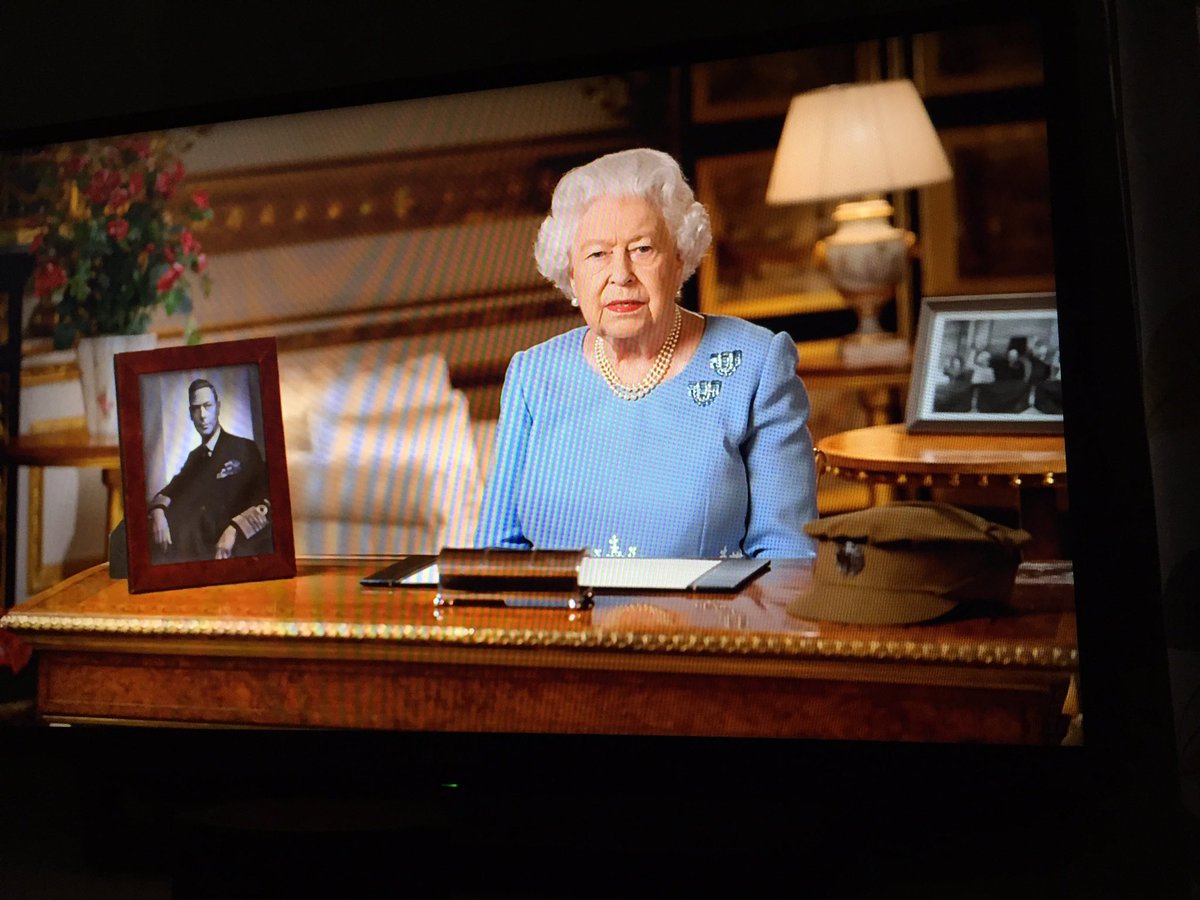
(625, 267)
(955, 365)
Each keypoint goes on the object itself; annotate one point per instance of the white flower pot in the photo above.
(96, 375)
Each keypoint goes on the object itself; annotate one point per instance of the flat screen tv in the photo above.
(311, 109)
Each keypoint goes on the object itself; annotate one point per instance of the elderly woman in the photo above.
(649, 431)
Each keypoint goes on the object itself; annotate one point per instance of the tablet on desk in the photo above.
(603, 573)
(396, 574)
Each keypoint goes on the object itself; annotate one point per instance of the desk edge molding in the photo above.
(989, 654)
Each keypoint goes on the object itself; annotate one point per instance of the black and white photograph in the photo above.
(203, 443)
(987, 364)
(206, 492)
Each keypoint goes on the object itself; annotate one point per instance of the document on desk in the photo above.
(623, 573)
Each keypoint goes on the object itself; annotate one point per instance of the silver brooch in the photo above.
(726, 362)
(704, 392)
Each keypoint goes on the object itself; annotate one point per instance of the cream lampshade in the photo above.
(856, 142)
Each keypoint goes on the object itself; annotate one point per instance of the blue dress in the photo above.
(716, 461)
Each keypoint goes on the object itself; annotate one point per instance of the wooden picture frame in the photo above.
(974, 59)
(169, 403)
(988, 230)
(761, 261)
(761, 86)
(1016, 388)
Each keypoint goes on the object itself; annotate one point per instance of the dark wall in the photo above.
(139, 57)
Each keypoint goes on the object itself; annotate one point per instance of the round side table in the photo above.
(1033, 465)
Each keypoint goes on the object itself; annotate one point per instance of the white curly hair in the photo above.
(642, 172)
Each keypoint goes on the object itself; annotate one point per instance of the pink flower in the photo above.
(200, 198)
(170, 277)
(48, 278)
(188, 242)
(200, 264)
(118, 198)
(117, 229)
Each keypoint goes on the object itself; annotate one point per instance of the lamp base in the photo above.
(864, 350)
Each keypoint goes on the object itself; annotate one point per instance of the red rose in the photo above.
(103, 183)
(200, 198)
(76, 164)
(201, 263)
(169, 253)
(118, 198)
(188, 242)
(170, 277)
(117, 229)
(137, 183)
(48, 278)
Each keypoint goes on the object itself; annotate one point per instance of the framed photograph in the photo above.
(751, 87)
(761, 261)
(987, 230)
(987, 365)
(203, 464)
(978, 58)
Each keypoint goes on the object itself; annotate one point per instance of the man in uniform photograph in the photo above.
(218, 505)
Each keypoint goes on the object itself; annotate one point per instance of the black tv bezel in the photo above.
(1120, 786)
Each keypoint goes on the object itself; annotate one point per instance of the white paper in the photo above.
(642, 574)
(612, 573)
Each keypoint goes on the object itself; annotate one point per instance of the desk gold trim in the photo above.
(757, 645)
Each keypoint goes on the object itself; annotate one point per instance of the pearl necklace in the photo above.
(653, 377)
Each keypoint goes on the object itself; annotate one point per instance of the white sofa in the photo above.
(383, 457)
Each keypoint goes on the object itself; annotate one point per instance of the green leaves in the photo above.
(79, 286)
(191, 332)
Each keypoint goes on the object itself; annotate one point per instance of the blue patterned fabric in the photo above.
(716, 461)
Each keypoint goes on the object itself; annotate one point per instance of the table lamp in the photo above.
(854, 143)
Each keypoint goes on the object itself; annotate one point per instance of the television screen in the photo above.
(933, 649)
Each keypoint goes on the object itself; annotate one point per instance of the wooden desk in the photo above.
(319, 651)
(1035, 465)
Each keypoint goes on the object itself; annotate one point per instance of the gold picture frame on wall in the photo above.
(988, 230)
(761, 262)
(752, 87)
(1000, 56)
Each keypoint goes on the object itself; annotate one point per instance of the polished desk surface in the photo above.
(319, 650)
